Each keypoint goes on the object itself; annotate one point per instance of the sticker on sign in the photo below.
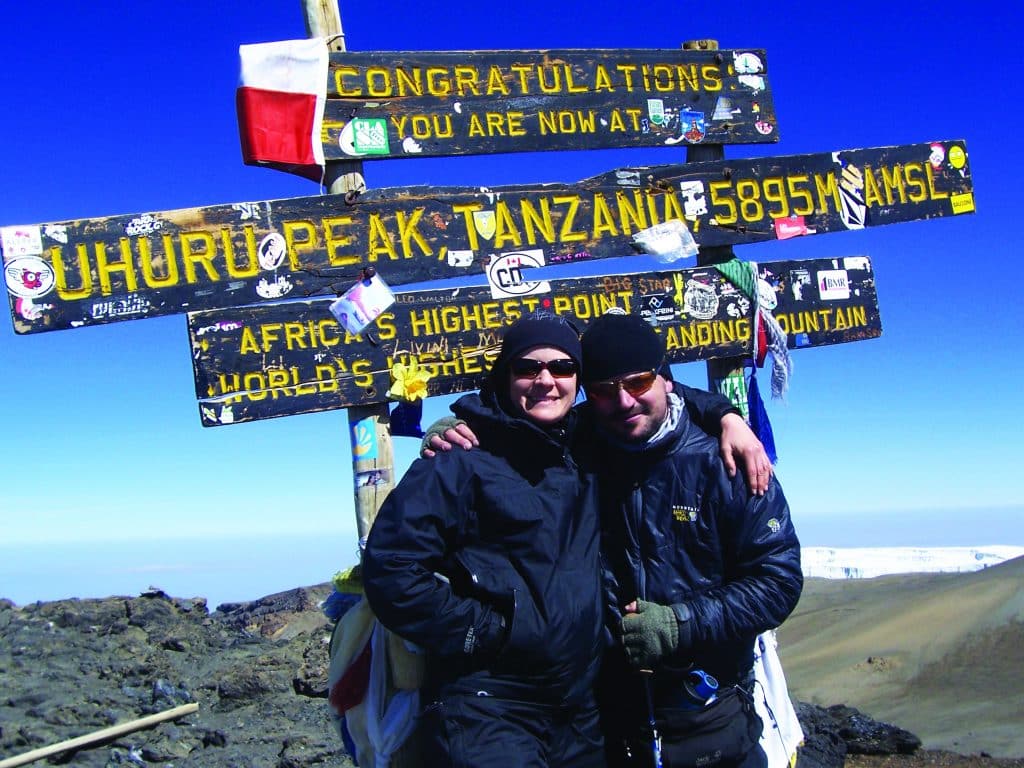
(505, 276)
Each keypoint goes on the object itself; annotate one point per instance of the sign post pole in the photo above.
(368, 425)
(725, 375)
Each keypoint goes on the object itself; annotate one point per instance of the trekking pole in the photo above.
(655, 738)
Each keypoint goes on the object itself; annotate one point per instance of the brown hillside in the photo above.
(942, 655)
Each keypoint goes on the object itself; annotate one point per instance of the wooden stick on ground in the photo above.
(101, 735)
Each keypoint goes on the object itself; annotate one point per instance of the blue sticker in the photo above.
(692, 126)
(364, 440)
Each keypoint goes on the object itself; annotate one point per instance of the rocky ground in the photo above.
(258, 671)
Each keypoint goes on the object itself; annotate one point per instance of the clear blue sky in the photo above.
(112, 109)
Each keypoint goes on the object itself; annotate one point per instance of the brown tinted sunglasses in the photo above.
(635, 384)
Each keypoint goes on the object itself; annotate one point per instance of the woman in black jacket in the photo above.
(489, 560)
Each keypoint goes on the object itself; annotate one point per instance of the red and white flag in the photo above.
(280, 102)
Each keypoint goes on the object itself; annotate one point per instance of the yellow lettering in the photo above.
(804, 194)
(933, 194)
(146, 260)
(248, 343)
(339, 81)
(467, 209)
(515, 124)
(334, 240)
(378, 240)
(627, 71)
(296, 244)
(566, 234)
(325, 377)
(825, 187)
(496, 82)
(378, 81)
(466, 80)
(363, 372)
(61, 276)
(409, 83)
(712, 77)
(604, 222)
(631, 213)
(555, 86)
(495, 124)
(229, 253)
(892, 179)
(872, 194)
(915, 182)
(106, 268)
(505, 230)
(476, 128)
(534, 222)
(399, 122)
(687, 77)
(420, 322)
(571, 86)
(408, 232)
(774, 193)
(438, 83)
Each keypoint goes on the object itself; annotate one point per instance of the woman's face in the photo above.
(544, 398)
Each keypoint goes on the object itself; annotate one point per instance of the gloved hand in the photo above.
(437, 430)
(650, 634)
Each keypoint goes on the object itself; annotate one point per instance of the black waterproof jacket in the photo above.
(489, 559)
(678, 531)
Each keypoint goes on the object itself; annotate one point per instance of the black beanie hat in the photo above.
(614, 345)
(535, 331)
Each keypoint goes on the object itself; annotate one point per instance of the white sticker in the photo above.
(754, 82)
(28, 277)
(57, 232)
(274, 290)
(460, 258)
(504, 274)
(362, 304)
(20, 241)
(766, 295)
(747, 63)
(667, 241)
(833, 284)
(272, 251)
(146, 224)
(700, 300)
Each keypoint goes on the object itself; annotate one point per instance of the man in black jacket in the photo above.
(696, 566)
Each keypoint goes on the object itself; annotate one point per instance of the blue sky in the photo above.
(112, 110)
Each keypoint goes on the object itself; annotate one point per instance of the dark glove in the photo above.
(437, 429)
(650, 634)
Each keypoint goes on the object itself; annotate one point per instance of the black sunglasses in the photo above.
(528, 368)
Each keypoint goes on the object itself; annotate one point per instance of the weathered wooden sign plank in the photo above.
(103, 270)
(388, 104)
(260, 362)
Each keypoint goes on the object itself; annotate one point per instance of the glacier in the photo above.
(868, 562)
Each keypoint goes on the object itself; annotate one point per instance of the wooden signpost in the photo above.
(261, 362)
(388, 104)
(246, 272)
(90, 271)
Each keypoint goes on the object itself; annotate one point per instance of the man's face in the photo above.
(632, 418)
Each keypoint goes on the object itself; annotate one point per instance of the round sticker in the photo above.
(271, 251)
(28, 277)
(957, 157)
